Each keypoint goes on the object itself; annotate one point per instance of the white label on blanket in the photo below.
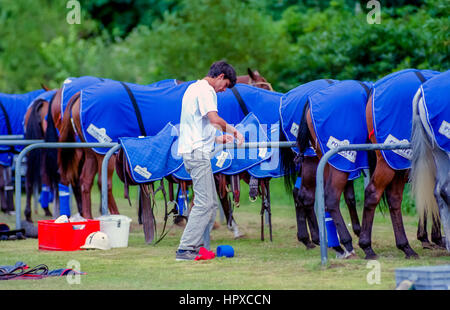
(445, 129)
(262, 152)
(67, 81)
(294, 129)
(142, 171)
(403, 153)
(221, 159)
(99, 134)
(334, 143)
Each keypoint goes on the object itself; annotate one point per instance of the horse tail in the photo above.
(304, 136)
(287, 162)
(67, 156)
(423, 168)
(33, 131)
(51, 155)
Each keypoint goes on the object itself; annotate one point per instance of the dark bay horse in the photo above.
(43, 121)
(292, 106)
(14, 109)
(332, 107)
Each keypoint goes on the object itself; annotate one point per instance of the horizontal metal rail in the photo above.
(247, 145)
(320, 199)
(44, 145)
(11, 137)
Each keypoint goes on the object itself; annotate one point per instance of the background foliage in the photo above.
(290, 42)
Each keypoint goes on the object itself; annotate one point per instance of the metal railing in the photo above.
(319, 205)
(44, 145)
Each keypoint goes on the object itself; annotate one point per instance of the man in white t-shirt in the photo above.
(198, 126)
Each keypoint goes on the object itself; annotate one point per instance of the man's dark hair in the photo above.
(220, 67)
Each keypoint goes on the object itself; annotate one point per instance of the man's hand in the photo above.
(224, 139)
(239, 137)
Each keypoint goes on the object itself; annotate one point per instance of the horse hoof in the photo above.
(240, 236)
(48, 213)
(427, 245)
(310, 246)
(412, 255)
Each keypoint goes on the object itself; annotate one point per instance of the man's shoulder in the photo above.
(200, 86)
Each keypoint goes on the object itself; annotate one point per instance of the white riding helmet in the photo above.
(97, 240)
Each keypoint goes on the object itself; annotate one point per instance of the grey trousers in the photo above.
(203, 214)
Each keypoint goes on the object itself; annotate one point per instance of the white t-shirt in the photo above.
(196, 132)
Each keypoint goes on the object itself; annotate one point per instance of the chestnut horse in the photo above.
(68, 161)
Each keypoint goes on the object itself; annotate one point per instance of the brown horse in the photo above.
(42, 120)
(68, 161)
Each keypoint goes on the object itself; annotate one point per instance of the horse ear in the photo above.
(250, 73)
(44, 87)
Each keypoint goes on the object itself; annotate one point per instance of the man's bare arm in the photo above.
(222, 125)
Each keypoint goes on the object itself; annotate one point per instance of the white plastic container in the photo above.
(117, 227)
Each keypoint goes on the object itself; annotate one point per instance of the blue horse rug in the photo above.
(392, 112)
(107, 104)
(239, 160)
(73, 85)
(152, 158)
(436, 101)
(244, 159)
(164, 83)
(338, 115)
(291, 109)
(271, 167)
(263, 103)
(12, 112)
(140, 110)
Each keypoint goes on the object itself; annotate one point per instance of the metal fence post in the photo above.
(319, 205)
(105, 177)
(36, 145)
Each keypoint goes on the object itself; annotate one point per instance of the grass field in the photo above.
(283, 264)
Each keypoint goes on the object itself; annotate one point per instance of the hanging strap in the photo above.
(8, 125)
(136, 109)
(7, 121)
(240, 100)
(367, 89)
(420, 76)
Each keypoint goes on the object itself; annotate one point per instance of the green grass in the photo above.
(261, 265)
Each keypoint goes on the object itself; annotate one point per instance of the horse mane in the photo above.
(33, 131)
(67, 156)
(51, 155)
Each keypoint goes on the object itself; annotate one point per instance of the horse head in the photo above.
(255, 79)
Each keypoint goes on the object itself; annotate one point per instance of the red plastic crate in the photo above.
(65, 236)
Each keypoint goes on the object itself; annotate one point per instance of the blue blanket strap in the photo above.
(8, 127)
(136, 109)
(420, 76)
(240, 101)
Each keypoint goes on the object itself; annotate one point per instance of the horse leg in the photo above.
(394, 193)
(349, 196)
(422, 234)
(442, 194)
(29, 193)
(112, 206)
(225, 202)
(86, 181)
(302, 228)
(307, 195)
(381, 177)
(334, 188)
(3, 202)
